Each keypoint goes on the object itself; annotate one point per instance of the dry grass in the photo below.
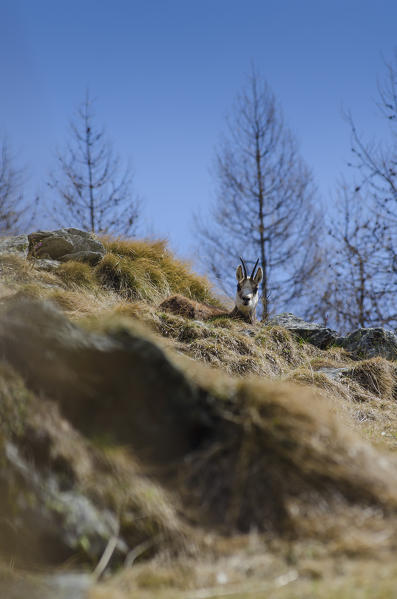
(141, 270)
(283, 463)
(79, 304)
(377, 376)
(15, 271)
(77, 274)
(295, 456)
(257, 573)
(14, 399)
(110, 476)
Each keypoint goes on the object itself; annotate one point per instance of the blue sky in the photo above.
(165, 74)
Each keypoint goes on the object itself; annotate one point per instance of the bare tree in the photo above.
(373, 207)
(93, 192)
(376, 162)
(12, 208)
(264, 202)
(358, 290)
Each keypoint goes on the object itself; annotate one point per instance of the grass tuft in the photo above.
(376, 375)
(77, 274)
(143, 270)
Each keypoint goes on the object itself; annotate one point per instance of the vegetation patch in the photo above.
(283, 461)
(148, 271)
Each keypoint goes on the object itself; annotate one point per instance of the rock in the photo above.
(362, 343)
(335, 374)
(46, 264)
(18, 244)
(371, 342)
(64, 243)
(67, 519)
(83, 256)
(314, 333)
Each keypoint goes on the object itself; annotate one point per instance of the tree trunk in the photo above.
(263, 258)
(89, 168)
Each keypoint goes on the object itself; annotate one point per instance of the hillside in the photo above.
(205, 458)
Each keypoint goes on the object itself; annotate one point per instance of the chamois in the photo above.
(247, 295)
(246, 299)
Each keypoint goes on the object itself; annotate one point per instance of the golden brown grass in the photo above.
(77, 274)
(15, 271)
(143, 270)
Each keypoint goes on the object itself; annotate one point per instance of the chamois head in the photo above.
(247, 290)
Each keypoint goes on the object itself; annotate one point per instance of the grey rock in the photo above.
(18, 244)
(335, 374)
(314, 333)
(59, 244)
(79, 524)
(83, 256)
(46, 264)
(371, 342)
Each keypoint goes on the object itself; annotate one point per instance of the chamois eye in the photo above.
(255, 289)
(238, 287)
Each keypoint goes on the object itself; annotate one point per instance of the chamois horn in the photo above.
(244, 269)
(253, 270)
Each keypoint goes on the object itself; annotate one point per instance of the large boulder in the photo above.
(17, 244)
(371, 342)
(312, 332)
(66, 244)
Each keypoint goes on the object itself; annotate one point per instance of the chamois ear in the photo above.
(259, 276)
(239, 273)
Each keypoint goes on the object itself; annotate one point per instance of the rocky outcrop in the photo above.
(361, 344)
(65, 245)
(314, 333)
(371, 342)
